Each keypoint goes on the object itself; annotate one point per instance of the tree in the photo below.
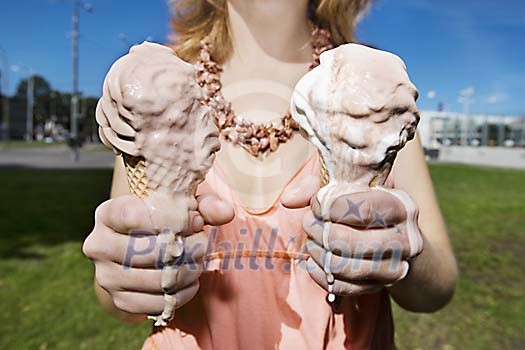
(42, 87)
(53, 105)
(42, 96)
(88, 124)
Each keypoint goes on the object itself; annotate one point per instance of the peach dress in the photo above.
(257, 294)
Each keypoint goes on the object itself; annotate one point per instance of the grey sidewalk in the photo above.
(56, 157)
(485, 156)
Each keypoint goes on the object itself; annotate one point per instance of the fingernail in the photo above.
(406, 267)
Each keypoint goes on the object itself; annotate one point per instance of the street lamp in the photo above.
(465, 97)
(74, 96)
(5, 92)
(30, 101)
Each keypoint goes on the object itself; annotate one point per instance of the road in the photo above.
(97, 156)
(56, 157)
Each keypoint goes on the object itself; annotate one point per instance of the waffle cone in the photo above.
(325, 176)
(138, 181)
(136, 174)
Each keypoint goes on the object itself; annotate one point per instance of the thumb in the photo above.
(300, 194)
(214, 210)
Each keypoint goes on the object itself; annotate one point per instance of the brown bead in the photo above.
(233, 136)
(248, 131)
(277, 124)
(237, 120)
(264, 143)
(221, 120)
(274, 142)
(254, 149)
(262, 133)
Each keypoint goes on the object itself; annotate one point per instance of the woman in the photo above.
(261, 288)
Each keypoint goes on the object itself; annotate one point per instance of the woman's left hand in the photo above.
(365, 241)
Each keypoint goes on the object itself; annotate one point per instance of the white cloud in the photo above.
(431, 94)
(469, 91)
(497, 97)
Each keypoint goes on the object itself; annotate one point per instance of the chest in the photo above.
(258, 183)
(261, 94)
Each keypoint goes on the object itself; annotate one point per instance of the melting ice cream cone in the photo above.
(358, 108)
(151, 113)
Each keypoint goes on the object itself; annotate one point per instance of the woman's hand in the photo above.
(127, 253)
(365, 242)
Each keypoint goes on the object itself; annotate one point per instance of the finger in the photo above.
(151, 304)
(374, 208)
(180, 276)
(349, 241)
(138, 303)
(300, 194)
(148, 251)
(124, 213)
(127, 213)
(186, 294)
(195, 247)
(188, 267)
(114, 277)
(214, 210)
(351, 270)
(182, 273)
(340, 287)
(197, 221)
(415, 237)
(137, 249)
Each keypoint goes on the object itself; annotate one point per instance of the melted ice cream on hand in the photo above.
(151, 109)
(359, 108)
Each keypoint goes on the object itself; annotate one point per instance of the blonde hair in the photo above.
(192, 20)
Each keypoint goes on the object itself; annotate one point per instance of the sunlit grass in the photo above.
(485, 212)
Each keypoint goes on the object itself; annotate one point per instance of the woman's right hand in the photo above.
(126, 252)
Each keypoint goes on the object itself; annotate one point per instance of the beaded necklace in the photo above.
(256, 139)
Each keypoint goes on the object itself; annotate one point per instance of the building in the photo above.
(475, 139)
(442, 129)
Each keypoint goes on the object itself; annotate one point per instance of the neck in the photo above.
(275, 28)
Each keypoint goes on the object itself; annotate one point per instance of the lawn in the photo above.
(47, 298)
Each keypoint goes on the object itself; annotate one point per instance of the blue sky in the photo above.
(447, 45)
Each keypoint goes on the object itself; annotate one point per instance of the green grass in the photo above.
(47, 299)
(485, 213)
(46, 292)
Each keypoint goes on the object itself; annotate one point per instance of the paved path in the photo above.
(490, 156)
(96, 156)
(56, 157)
